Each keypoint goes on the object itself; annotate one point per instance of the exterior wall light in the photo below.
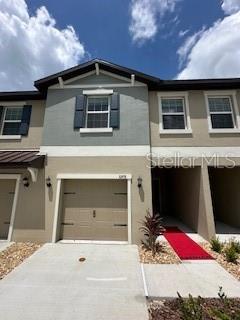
(139, 182)
(26, 182)
(48, 182)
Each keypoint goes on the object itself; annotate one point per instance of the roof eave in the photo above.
(21, 95)
(44, 83)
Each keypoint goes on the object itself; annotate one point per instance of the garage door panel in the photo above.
(96, 207)
(119, 201)
(71, 200)
(120, 233)
(120, 216)
(76, 232)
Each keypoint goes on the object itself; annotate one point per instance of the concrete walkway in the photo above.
(196, 277)
(53, 284)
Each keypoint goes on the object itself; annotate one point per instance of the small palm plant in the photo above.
(152, 228)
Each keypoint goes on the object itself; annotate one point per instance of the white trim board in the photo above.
(62, 176)
(95, 151)
(106, 85)
(98, 92)
(127, 82)
(95, 176)
(196, 151)
(16, 177)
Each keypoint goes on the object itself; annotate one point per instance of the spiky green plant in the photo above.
(216, 245)
(152, 228)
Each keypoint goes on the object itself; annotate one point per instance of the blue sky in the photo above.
(182, 39)
(102, 27)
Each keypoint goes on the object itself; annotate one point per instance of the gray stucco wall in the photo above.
(59, 115)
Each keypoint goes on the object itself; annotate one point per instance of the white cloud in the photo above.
(146, 17)
(215, 53)
(32, 46)
(183, 33)
(230, 6)
(189, 43)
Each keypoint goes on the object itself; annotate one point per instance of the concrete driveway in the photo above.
(53, 284)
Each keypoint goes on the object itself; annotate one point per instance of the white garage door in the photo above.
(94, 210)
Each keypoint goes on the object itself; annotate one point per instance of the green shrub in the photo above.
(235, 244)
(216, 245)
(191, 308)
(230, 254)
(220, 315)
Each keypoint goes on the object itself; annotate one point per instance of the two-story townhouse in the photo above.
(85, 156)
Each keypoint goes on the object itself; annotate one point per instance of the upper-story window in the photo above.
(98, 111)
(11, 120)
(12, 117)
(14, 120)
(174, 113)
(223, 114)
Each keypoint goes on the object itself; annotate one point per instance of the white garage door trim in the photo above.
(64, 176)
(16, 177)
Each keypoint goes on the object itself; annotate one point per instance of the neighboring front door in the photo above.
(7, 189)
(94, 210)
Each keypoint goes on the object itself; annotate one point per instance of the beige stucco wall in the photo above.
(225, 187)
(199, 124)
(186, 196)
(136, 166)
(34, 137)
(30, 221)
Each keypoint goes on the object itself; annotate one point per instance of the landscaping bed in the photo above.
(232, 268)
(204, 309)
(14, 255)
(165, 255)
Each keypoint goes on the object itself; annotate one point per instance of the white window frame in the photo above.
(175, 95)
(99, 93)
(6, 106)
(231, 95)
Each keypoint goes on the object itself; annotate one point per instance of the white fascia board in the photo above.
(95, 151)
(171, 152)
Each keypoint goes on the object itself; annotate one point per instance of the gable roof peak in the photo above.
(85, 67)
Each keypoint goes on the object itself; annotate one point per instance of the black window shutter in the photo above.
(26, 116)
(79, 117)
(1, 113)
(114, 112)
